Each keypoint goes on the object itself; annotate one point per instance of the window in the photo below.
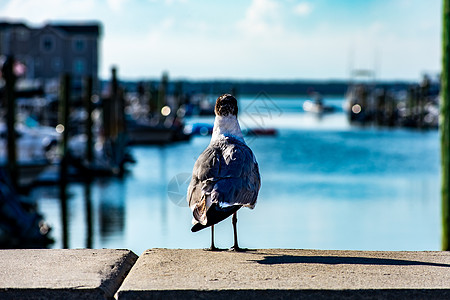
(79, 66)
(47, 43)
(79, 44)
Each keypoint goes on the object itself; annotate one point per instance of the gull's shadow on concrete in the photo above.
(343, 260)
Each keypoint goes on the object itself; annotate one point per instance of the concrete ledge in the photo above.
(289, 294)
(277, 273)
(63, 274)
(199, 274)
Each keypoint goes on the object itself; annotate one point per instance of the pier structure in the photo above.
(200, 274)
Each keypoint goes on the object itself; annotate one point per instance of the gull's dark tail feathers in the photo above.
(215, 214)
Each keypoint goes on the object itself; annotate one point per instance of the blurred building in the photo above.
(53, 49)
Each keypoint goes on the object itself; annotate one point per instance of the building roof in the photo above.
(74, 28)
(5, 24)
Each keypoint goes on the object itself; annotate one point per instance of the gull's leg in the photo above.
(213, 247)
(235, 246)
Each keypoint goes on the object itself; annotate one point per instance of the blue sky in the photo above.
(254, 39)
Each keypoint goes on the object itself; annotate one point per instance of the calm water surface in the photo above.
(325, 185)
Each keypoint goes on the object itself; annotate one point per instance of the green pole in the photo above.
(445, 126)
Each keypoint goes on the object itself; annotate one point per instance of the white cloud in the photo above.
(116, 5)
(169, 2)
(43, 10)
(262, 17)
(303, 9)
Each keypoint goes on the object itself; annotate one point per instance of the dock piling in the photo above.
(10, 81)
(64, 100)
(89, 123)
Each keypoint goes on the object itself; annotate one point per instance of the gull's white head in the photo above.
(226, 123)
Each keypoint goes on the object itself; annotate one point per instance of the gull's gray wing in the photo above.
(226, 174)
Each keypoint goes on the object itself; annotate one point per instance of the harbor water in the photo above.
(326, 184)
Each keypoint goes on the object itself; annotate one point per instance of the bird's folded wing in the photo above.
(225, 173)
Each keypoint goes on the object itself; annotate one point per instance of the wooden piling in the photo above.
(64, 100)
(178, 95)
(63, 122)
(114, 124)
(10, 81)
(114, 104)
(89, 108)
(445, 126)
(162, 92)
(153, 101)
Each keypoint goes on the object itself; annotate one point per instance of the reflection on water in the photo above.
(112, 209)
(325, 185)
(89, 218)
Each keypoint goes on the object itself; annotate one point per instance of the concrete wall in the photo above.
(194, 274)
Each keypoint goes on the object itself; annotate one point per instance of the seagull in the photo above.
(225, 176)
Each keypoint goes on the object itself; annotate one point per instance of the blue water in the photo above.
(325, 185)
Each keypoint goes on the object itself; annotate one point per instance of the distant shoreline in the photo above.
(253, 87)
